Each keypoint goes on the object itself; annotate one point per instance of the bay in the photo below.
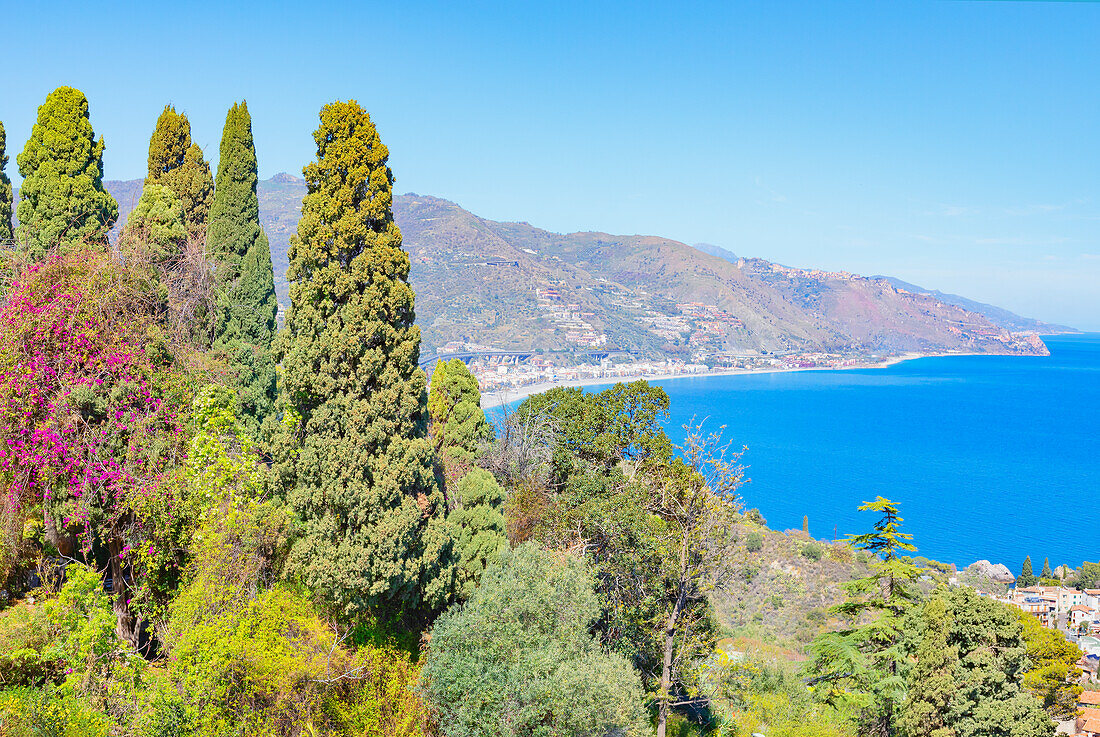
(993, 457)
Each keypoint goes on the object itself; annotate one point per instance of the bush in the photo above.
(518, 657)
(754, 541)
(813, 551)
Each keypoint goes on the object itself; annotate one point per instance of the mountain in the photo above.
(485, 284)
(996, 315)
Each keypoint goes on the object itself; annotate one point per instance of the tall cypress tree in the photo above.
(6, 233)
(1027, 576)
(244, 325)
(358, 459)
(1046, 572)
(178, 164)
(62, 201)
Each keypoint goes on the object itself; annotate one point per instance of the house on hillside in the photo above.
(1088, 714)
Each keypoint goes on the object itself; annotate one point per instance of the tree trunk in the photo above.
(666, 664)
(128, 627)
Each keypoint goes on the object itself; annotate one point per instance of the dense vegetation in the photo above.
(193, 544)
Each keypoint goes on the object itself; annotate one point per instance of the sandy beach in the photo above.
(490, 400)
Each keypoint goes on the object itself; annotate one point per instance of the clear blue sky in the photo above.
(952, 144)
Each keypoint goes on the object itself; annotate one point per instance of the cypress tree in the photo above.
(168, 144)
(458, 424)
(358, 460)
(178, 164)
(62, 201)
(244, 323)
(6, 233)
(1027, 578)
(1046, 572)
(932, 680)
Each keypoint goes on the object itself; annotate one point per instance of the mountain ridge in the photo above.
(492, 285)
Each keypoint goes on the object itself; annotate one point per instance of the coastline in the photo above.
(493, 400)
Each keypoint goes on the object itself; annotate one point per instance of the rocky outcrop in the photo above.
(993, 571)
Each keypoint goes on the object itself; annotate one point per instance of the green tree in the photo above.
(863, 664)
(1046, 572)
(1087, 576)
(6, 233)
(990, 698)
(518, 658)
(356, 458)
(62, 202)
(156, 222)
(178, 164)
(458, 425)
(1052, 672)
(1026, 578)
(931, 681)
(244, 324)
(478, 528)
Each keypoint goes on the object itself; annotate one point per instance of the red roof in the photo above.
(1089, 697)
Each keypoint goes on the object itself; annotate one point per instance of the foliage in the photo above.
(244, 322)
(68, 647)
(755, 693)
(1052, 673)
(356, 459)
(605, 428)
(1087, 576)
(931, 681)
(249, 655)
(862, 665)
(1026, 577)
(457, 423)
(478, 528)
(178, 164)
(157, 223)
(62, 202)
(990, 698)
(1046, 572)
(90, 420)
(517, 658)
(6, 233)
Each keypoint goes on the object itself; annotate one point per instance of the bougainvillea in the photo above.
(90, 406)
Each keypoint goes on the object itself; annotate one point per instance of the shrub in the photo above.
(813, 551)
(518, 657)
(754, 541)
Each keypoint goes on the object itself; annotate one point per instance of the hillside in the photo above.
(511, 286)
(996, 315)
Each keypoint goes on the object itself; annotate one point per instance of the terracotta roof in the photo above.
(1091, 725)
(1089, 697)
(1089, 713)
(1080, 608)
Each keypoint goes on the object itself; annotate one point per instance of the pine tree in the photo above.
(5, 190)
(1046, 572)
(862, 664)
(1027, 578)
(458, 424)
(177, 163)
(62, 201)
(244, 323)
(358, 460)
(932, 680)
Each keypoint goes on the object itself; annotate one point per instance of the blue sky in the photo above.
(952, 144)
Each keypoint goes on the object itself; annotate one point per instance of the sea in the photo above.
(988, 457)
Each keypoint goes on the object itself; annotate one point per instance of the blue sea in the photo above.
(993, 457)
